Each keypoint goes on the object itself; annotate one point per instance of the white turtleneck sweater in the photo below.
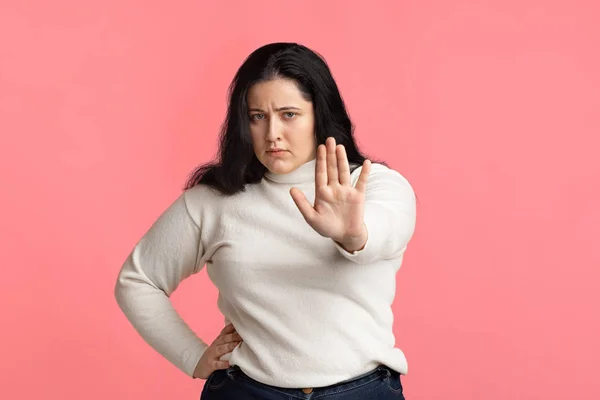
(310, 313)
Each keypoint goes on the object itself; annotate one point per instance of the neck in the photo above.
(304, 173)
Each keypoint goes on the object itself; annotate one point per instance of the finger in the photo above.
(361, 184)
(343, 165)
(332, 168)
(228, 329)
(321, 168)
(229, 337)
(225, 348)
(306, 209)
(221, 364)
(232, 337)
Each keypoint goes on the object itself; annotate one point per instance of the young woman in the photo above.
(300, 233)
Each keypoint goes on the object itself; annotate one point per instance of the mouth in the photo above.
(276, 153)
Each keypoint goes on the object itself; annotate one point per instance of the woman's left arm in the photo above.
(370, 213)
(389, 215)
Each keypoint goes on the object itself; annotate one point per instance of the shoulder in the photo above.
(202, 198)
(201, 192)
(381, 173)
(386, 184)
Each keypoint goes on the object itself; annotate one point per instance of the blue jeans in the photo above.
(232, 384)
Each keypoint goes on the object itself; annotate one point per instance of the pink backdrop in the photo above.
(489, 108)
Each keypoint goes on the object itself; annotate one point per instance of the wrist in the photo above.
(354, 243)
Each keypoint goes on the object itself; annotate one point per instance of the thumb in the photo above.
(306, 209)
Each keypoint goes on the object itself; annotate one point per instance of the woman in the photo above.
(300, 233)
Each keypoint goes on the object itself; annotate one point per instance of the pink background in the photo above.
(490, 108)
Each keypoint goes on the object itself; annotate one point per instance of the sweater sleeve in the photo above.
(390, 215)
(169, 252)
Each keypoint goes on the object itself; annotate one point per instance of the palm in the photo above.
(338, 212)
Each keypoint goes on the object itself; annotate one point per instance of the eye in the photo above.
(256, 117)
(290, 114)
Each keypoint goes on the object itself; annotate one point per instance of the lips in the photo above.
(276, 153)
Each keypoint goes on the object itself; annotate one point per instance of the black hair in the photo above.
(237, 164)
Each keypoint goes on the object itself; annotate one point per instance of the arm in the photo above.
(390, 216)
(167, 254)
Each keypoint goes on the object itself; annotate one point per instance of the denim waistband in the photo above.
(380, 372)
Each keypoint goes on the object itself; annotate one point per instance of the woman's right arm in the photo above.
(169, 252)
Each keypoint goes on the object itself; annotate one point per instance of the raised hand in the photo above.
(338, 212)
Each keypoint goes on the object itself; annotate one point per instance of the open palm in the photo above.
(338, 212)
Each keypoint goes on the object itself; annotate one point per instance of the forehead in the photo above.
(277, 92)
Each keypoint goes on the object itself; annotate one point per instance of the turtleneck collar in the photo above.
(302, 174)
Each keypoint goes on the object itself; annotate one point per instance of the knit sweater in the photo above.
(310, 313)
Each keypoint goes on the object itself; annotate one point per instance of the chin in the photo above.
(279, 166)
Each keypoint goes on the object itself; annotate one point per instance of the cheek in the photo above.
(304, 132)
(309, 136)
(255, 136)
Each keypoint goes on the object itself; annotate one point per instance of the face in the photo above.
(282, 125)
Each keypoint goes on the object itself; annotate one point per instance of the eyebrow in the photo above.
(277, 109)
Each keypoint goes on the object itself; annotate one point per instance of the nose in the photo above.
(273, 130)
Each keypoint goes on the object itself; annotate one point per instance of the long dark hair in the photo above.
(237, 165)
